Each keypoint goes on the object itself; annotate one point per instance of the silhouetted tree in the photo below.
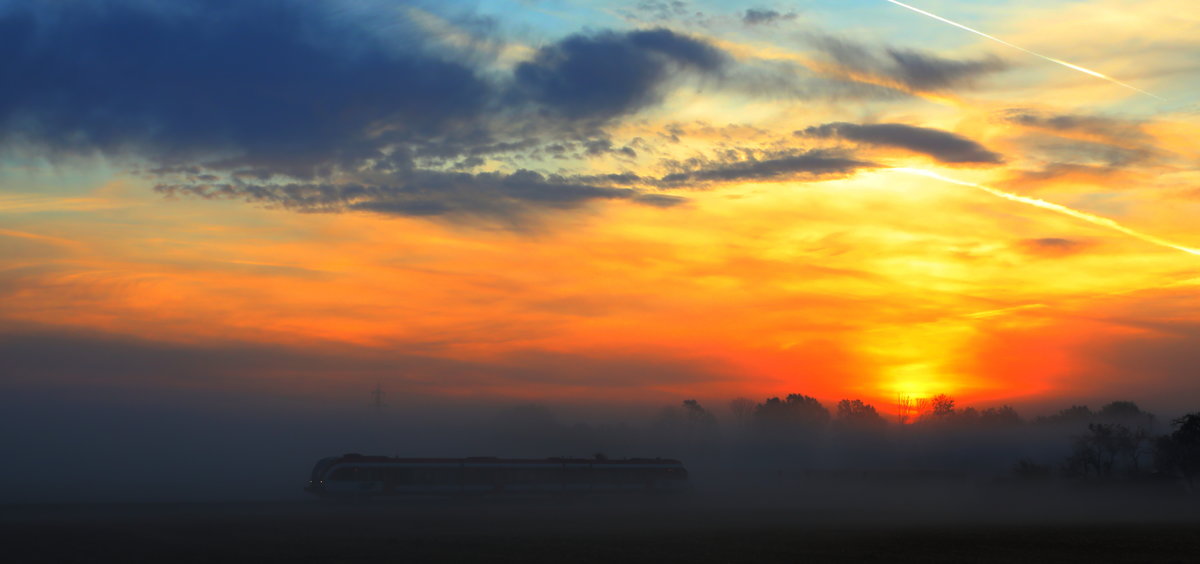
(698, 416)
(1003, 416)
(938, 409)
(854, 414)
(1102, 447)
(1073, 414)
(1120, 410)
(1125, 412)
(797, 410)
(941, 405)
(1179, 452)
(688, 423)
(1026, 469)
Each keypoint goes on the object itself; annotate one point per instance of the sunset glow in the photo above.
(602, 201)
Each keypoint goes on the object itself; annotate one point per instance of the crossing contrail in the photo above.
(1090, 218)
(1019, 48)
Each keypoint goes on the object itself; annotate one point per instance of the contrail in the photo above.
(1093, 219)
(1018, 47)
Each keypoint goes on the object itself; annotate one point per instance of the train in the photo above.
(357, 476)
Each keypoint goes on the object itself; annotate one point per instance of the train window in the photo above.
(479, 476)
(445, 476)
(449, 477)
(625, 476)
(399, 476)
(613, 476)
(435, 476)
(342, 475)
(577, 476)
(529, 476)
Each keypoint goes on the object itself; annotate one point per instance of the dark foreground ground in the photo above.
(943, 524)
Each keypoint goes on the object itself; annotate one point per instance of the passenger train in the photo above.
(364, 477)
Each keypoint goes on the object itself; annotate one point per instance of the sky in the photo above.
(579, 200)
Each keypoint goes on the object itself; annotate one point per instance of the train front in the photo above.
(316, 482)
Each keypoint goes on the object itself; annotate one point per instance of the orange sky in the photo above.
(869, 284)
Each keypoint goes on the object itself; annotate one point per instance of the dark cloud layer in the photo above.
(282, 84)
(33, 360)
(608, 74)
(311, 108)
(942, 145)
(306, 107)
(428, 193)
(917, 70)
(812, 164)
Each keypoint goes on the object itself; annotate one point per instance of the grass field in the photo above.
(798, 527)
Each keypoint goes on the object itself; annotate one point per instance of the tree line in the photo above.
(1117, 442)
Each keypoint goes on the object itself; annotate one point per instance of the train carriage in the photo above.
(359, 476)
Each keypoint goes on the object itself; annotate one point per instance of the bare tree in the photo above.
(904, 409)
(742, 409)
(1104, 446)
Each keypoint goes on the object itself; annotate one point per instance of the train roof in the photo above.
(355, 457)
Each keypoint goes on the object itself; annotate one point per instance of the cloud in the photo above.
(663, 10)
(915, 70)
(303, 107)
(306, 107)
(429, 193)
(290, 85)
(1053, 247)
(941, 145)
(607, 74)
(817, 164)
(760, 16)
(1099, 126)
(1077, 143)
(1064, 151)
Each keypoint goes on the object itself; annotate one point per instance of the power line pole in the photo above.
(377, 397)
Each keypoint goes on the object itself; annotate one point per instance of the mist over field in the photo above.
(204, 447)
(894, 281)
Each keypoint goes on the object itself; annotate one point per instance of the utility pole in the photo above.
(377, 397)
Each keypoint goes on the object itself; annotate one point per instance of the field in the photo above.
(819, 524)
